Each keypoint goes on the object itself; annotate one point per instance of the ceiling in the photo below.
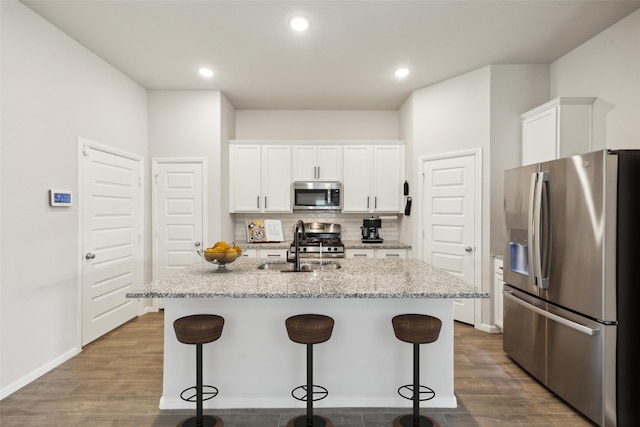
(345, 60)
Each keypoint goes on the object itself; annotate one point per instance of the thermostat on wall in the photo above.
(59, 198)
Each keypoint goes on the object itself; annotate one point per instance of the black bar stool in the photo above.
(199, 329)
(309, 329)
(416, 329)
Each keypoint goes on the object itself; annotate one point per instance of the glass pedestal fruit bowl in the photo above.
(220, 255)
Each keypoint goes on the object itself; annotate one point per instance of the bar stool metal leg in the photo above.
(416, 329)
(197, 330)
(309, 329)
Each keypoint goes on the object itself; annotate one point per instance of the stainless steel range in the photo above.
(320, 238)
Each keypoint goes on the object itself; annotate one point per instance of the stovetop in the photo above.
(320, 238)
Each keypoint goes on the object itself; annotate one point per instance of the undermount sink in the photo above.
(305, 266)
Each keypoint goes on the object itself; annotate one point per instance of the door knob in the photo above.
(468, 249)
(197, 243)
(90, 255)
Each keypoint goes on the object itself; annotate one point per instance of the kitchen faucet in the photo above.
(296, 244)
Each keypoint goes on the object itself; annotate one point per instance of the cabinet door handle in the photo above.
(265, 202)
(318, 167)
(375, 202)
(360, 255)
(367, 202)
(392, 255)
(258, 202)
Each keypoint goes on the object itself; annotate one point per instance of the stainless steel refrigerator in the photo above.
(572, 289)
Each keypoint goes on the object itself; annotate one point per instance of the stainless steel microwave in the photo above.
(316, 195)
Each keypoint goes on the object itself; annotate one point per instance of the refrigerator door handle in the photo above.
(530, 229)
(566, 322)
(543, 247)
(539, 183)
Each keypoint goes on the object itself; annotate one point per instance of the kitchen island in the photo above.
(255, 365)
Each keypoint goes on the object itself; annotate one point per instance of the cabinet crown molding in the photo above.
(316, 142)
(555, 103)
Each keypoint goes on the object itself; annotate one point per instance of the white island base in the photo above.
(255, 365)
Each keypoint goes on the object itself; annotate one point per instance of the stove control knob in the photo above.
(304, 249)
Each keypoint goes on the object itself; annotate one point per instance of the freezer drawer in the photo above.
(563, 350)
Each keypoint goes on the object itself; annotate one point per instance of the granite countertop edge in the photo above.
(358, 278)
(348, 244)
(240, 295)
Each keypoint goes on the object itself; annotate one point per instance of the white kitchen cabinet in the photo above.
(391, 253)
(498, 285)
(259, 178)
(373, 178)
(360, 253)
(279, 254)
(375, 253)
(317, 163)
(250, 253)
(560, 128)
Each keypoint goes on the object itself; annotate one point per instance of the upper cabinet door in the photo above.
(276, 178)
(372, 178)
(245, 178)
(387, 177)
(329, 162)
(304, 163)
(560, 128)
(317, 163)
(259, 178)
(356, 182)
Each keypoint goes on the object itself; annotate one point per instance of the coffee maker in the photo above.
(369, 229)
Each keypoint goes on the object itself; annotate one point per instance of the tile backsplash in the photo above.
(350, 223)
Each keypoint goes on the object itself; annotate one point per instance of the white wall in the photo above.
(189, 124)
(53, 91)
(406, 123)
(515, 89)
(316, 125)
(607, 67)
(480, 109)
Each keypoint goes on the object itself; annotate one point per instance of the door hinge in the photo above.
(85, 152)
(156, 178)
(423, 177)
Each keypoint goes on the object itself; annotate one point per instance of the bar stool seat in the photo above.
(416, 329)
(309, 329)
(199, 329)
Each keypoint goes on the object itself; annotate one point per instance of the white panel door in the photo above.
(178, 212)
(111, 239)
(449, 222)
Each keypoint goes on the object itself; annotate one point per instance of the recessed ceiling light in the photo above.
(299, 22)
(206, 72)
(403, 72)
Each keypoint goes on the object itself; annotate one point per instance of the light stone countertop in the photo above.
(358, 278)
(348, 244)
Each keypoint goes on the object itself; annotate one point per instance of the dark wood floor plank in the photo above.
(117, 381)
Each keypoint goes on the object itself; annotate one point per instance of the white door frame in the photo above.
(105, 148)
(477, 154)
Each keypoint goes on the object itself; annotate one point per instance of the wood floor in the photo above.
(117, 381)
